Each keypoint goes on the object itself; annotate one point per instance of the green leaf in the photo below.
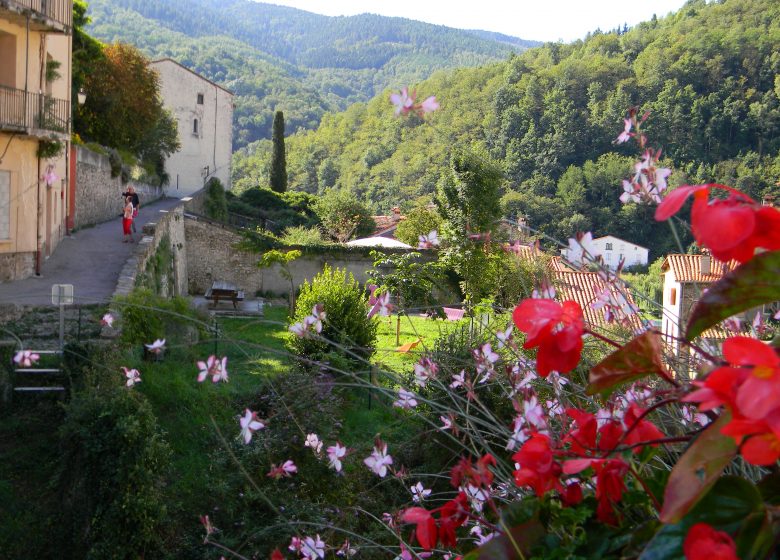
(770, 488)
(697, 470)
(640, 357)
(513, 546)
(755, 538)
(729, 506)
(754, 283)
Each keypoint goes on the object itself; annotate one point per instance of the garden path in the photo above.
(90, 259)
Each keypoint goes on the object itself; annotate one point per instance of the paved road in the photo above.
(91, 259)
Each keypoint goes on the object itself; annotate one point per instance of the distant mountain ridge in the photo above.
(276, 57)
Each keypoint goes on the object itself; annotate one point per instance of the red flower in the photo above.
(477, 474)
(749, 385)
(730, 228)
(705, 543)
(452, 515)
(538, 469)
(762, 446)
(610, 484)
(555, 329)
(644, 430)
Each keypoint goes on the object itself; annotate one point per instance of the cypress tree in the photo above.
(278, 160)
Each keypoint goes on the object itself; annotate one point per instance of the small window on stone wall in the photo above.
(195, 130)
(200, 99)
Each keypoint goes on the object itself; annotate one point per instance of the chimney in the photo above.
(706, 264)
(396, 214)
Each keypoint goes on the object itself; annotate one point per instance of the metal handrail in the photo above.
(60, 11)
(25, 110)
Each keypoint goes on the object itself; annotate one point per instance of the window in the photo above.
(200, 99)
(609, 246)
(673, 296)
(195, 127)
(5, 204)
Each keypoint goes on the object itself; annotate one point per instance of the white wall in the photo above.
(212, 145)
(612, 249)
(672, 308)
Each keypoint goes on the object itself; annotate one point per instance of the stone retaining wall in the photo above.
(98, 195)
(170, 279)
(211, 256)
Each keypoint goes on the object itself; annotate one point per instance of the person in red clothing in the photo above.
(127, 219)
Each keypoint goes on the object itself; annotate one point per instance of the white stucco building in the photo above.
(613, 250)
(204, 113)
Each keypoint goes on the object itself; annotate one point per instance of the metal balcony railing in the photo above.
(58, 11)
(33, 113)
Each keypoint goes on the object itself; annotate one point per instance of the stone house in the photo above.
(35, 126)
(203, 111)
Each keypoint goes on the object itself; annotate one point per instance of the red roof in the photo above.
(687, 268)
(385, 224)
(585, 288)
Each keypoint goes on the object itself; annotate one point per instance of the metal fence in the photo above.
(60, 11)
(21, 110)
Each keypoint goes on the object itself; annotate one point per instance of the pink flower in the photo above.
(582, 248)
(505, 337)
(26, 358)
(157, 346)
(379, 305)
(314, 442)
(534, 414)
(405, 400)
(458, 379)
(312, 549)
(424, 371)
(626, 134)
(214, 367)
(379, 460)
(107, 320)
(419, 493)
(428, 241)
(335, 454)
(133, 376)
(485, 358)
(287, 469)
(50, 177)
(446, 423)
(250, 423)
(317, 317)
(403, 101)
(429, 105)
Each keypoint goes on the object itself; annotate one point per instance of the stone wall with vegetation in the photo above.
(98, 195)
(212, 256)
(160, 259)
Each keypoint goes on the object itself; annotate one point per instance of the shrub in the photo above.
(347, 330)
(215, 203)
(114, 460)
(419, 221)
(343, 216)
(302, 235)
(147, 317)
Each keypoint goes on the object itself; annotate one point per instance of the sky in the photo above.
(541, 20)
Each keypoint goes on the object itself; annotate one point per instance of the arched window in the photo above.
(195, 127)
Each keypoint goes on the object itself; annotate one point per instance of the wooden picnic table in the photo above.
(224, 291)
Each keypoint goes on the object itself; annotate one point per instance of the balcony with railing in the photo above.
(44, 15)
(33, 114)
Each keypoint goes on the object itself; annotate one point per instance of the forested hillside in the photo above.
(275, 57)
(708, 75)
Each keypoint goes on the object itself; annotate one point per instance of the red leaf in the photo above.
(697, 470)
(640, 357)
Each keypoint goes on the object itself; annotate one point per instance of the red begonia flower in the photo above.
(731, 228)
(556, 329)
(705, 543)
(538, 469)
(644, 430)
(759, 440)
(427, 533)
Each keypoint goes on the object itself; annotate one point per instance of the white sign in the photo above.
(62, 294)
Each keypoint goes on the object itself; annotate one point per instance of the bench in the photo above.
(224, 291)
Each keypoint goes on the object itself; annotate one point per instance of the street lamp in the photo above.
(82, 96)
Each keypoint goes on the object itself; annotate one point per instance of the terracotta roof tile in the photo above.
(585, 288)
(384, 223)
(687, 268)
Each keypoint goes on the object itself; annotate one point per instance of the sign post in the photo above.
(62, 295)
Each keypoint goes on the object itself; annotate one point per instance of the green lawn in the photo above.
(412, 328)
